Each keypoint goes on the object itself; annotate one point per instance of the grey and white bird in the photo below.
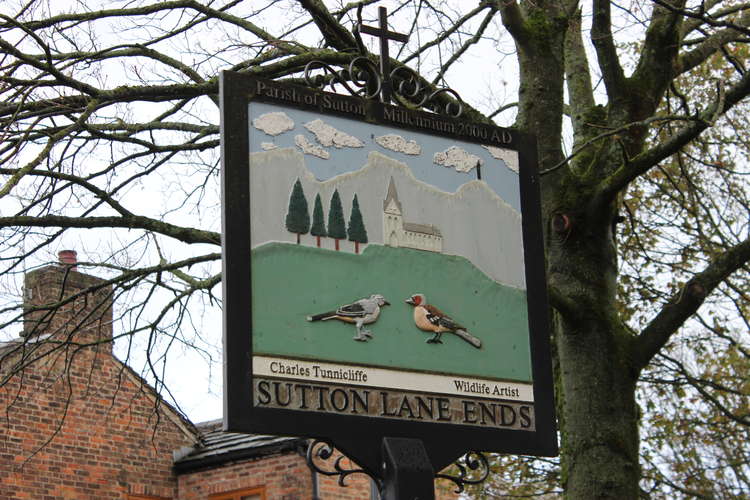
(431, 319)
(361, 312)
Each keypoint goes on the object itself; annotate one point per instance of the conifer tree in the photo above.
(357, 231)
(318, 228)
(298, 216)
(336, 223)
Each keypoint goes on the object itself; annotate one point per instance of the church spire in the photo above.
(392, 195)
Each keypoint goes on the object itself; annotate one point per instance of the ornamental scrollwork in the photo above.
(409, 91)
(322, 451)
(470, 463)
(360, 78)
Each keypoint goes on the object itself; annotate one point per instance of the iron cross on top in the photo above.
(385, 61)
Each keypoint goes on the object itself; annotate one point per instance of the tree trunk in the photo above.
(337, 244)
(600, 415)
(595, 382)
(318, 240)
(356, 247)
(595, 388)
(298, 238)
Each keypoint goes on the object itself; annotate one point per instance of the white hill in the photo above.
(475, 222)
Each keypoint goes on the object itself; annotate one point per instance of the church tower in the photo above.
(392, 217)
(397, 233)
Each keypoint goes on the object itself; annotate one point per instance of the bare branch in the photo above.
(471, 41)
(711, 45)
(609, 63)
(658, 56)
(687, 301)
(447, 33)
(184, 234)
(648, 159)
(334, 33)
(512, 17)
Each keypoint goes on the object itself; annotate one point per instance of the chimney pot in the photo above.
(68, 258)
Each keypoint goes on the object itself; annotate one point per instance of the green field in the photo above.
(292, 281)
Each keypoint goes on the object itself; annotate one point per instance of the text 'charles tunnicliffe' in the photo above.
(315, 371)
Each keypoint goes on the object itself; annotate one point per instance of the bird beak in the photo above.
(386, 303)
(409, 301)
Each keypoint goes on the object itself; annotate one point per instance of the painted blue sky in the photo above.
(494, 172)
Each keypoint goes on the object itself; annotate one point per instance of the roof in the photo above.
(421, 228)
(19, 350)
(174, 414)
(218, 447)
(18, 343)
(213, 447)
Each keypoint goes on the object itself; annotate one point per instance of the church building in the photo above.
(397, 233)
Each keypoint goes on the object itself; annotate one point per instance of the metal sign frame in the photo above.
(358, 436)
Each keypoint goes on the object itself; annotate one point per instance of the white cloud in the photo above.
(508, 156)
(455, 157)
(274, 123)
(399, 144)
(309, 148)
(328, 136)
(267, 146)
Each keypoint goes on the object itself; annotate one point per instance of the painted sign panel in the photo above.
(388, 275)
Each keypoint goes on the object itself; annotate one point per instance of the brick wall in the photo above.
(73, 306)
(75, 423)
(285, 477)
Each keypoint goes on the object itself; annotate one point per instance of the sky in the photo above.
(195, 379)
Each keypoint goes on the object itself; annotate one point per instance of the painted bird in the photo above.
(431, 319)
(362, 312)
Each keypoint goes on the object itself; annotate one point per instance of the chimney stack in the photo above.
(68, 258)
(60, 300)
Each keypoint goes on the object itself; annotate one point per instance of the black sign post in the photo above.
(415, 388)
(407, 471)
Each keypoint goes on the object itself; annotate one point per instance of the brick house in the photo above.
(77, 423)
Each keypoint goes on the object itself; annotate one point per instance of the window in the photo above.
(248, 494)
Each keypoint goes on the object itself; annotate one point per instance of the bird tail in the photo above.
(322, 316)
(471, 339)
